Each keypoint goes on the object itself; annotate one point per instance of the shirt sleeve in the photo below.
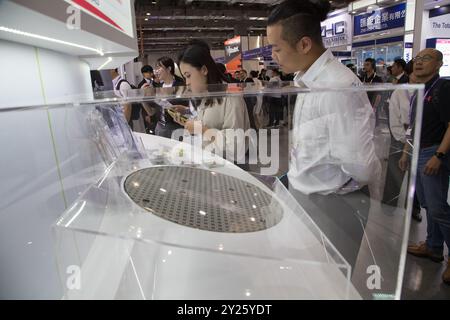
(124, 87)
(351, 124)
(395, 116)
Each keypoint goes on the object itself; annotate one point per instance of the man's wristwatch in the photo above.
(439, 155)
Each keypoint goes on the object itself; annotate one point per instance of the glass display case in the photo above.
(215, 214)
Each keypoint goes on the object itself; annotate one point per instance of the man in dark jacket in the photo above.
(147, 73)
(398, 71)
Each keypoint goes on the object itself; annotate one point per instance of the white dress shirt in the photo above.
(124, 86)
(399, 113)
(332, 138)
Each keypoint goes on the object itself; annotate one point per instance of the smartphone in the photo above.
(174, 114)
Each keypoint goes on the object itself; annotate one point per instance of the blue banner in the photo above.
(264, 52)
(379, 20)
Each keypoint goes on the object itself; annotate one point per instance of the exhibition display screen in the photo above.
(235, 213)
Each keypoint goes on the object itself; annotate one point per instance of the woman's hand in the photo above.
(192, 125)
(181, 109)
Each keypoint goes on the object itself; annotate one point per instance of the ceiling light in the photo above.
(146, 19)
(153, 2)
(241, 4)
(99, 68)
(437, 7)
(148, 13)
(37, 36)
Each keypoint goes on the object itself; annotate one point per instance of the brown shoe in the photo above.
(421, 250)
(446, 274)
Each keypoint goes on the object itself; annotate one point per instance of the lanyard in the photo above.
(413, 99)
(371, 80)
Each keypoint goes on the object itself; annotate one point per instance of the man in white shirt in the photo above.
(332, 153)
(121, 86)
(399, 105)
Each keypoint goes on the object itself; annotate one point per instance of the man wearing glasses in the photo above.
(433, 168)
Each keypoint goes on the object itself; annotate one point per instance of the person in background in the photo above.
(389, 77)
(131, 111)
(433, 169)
(224, 114)
(332, 149)
(263, 76)
(253, 75)
(237, 75)
(399, 105)
(147, 81)
(165, 72)
(275, 100)
(148, 76)
(370, 76)
(398, 71)
(244, 77)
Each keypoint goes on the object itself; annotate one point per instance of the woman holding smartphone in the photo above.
(220, 117)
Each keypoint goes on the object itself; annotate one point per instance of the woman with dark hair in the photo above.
(225, 115)
(168, 81)
(165, 71)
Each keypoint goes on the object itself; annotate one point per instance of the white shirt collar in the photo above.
(307, 78)
(400, 75)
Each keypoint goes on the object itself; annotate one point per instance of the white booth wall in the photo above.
(35, 76)
(37, 183)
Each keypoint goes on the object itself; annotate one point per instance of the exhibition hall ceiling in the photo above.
(167, 25)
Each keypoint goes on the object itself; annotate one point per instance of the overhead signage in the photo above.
(336, 31)
(380, 20)
(233, 54)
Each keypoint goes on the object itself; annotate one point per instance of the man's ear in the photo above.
(304, 45)
(204, 70)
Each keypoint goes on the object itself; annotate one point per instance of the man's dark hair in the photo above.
(400, 63)
(372, 62)
(146, 68)
(300, 19)
(409, 67)
(116, 70)
(222, 68)
(254, 74)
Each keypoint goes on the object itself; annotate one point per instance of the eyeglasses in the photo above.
(426, 58)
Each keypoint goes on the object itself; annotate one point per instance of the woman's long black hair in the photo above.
(198, 56)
